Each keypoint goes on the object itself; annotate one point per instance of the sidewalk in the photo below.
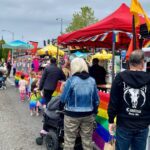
(18, 129)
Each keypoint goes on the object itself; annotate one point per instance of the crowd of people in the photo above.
(129, 99)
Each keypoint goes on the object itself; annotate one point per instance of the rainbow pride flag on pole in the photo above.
(115, 37)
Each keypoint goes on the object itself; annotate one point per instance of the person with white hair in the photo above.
(80, 97)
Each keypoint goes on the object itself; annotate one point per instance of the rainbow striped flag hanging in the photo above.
(115, 37)
(101, 134)
(147, 44)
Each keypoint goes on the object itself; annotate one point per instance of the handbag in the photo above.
(110, 145)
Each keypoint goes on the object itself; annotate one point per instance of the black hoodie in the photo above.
(130, 100)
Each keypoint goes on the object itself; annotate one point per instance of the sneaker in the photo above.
(31, 114)
(43, 132)
(37, 114)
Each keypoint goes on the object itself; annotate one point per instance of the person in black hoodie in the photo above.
(51, 75)
(98, 73)
(130, 104)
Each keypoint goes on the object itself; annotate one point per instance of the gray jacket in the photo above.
(52, 106)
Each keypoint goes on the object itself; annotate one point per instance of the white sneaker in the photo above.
(31, 114)
(43, 132)
(37, 114)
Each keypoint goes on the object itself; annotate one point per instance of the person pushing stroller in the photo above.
(80, 99)
(3, 76)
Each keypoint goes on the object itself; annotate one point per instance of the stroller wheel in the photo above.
(51, 140)
(39, 140)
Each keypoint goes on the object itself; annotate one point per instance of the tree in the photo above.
(82, 19)
(3, 51)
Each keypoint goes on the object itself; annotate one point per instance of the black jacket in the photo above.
(130, 100)
(51, 75)
(98, 73)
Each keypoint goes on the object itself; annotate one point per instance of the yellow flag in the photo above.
(136, 9)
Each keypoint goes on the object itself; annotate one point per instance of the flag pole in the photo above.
(113, 55)
(134, 33)
(57, 55)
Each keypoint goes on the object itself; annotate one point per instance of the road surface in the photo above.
(18, 129)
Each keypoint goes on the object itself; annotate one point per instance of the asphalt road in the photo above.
(18, 129)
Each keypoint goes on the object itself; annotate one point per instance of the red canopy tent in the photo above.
(95, 41)
(119, 20)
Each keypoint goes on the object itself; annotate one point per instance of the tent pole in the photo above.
(57, 54)
(113, 56)
(134, 33)
(12, 55)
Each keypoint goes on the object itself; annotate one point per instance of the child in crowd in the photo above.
(38, 76)
(22, 87)
(31, 79)
(35, 98)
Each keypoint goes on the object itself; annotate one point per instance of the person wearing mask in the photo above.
(130, 104)
(51, 75)
(81, 100)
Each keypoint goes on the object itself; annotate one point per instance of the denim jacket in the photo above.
(80, 95)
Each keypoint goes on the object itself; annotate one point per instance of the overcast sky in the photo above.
(36, 19)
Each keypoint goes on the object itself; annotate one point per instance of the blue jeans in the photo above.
(136, 140)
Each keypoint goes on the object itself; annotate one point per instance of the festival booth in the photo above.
(119, 20)
(113, 32)
(17, 45)
(22, 47)
(50, 50)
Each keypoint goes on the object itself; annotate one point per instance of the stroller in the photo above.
(2, 80)
(53, 124)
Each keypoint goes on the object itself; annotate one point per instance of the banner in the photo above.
(9, 56)
(137, 10)
(35, 45)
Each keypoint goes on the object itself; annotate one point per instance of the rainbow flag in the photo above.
(116, 37)
(18, 77)
(147, 44)
(101, 134)
(57, 91)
